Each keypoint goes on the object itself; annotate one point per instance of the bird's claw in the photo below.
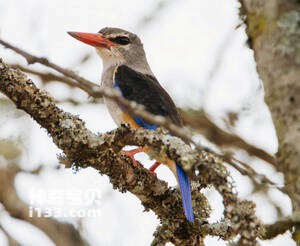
(153, 167)
(131, 153)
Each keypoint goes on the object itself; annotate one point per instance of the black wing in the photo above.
(146, 90)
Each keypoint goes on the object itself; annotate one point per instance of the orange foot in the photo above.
(131, 153)
(153, 167)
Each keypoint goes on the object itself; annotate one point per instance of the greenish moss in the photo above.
(256, 25)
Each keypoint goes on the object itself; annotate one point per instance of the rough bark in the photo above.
(273, 27)
(83, 148)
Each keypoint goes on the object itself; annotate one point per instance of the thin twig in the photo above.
(200, 122)
(44, 61)
(96, 91)
(46, 76)
(279, 227)
(11, 241)
(130, 106)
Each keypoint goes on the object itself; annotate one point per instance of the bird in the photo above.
(125, 68)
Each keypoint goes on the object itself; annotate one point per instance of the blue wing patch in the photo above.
(144, 124)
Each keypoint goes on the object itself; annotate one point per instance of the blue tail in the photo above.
(186, 196)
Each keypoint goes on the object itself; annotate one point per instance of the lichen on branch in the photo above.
(83, 148)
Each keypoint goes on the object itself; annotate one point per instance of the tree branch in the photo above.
(274, 35)
(199, 121)
(130, 106)
(46, 77)
(82, 148)
(10, 239)
(44, 61)
(281, 226)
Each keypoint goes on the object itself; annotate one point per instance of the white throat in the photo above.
(108, 59)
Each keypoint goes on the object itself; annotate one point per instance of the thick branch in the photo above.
(274, 35)
(83, 148)
(273, 29)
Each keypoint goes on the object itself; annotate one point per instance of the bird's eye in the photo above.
(120, 40)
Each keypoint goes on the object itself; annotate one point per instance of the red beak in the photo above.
(93, 39)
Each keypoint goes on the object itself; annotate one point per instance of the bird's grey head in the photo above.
(117, 46)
